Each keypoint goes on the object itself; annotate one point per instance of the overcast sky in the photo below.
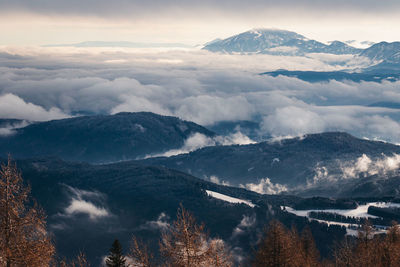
(27, 22)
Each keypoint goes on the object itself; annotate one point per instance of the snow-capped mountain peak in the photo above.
(276, 41)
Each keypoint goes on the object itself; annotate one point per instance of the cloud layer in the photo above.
(43, 84)
(137, 7)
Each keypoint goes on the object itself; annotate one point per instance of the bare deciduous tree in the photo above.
(281, 247)
(139, 254)
(185, 244)
(79, 261)
(370, 250)
(24, 240)
(218, 254)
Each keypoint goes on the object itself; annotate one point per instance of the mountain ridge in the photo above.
(291, 163)
(278, 42)
(101, 138)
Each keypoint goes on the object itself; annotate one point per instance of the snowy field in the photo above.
(228, 198)
(360, 212)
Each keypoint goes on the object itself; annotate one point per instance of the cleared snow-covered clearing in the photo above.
(228, 198)
(359, 212)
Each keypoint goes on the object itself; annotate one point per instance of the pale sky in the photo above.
(40, 22)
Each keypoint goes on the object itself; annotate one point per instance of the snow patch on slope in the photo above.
(360, 212)
(229, 199)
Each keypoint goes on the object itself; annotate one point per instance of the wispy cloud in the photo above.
(85, 202)
(265, 186)
(79, 206)
(161, 223)
(9, 128)
(245, 224)
(198, 140)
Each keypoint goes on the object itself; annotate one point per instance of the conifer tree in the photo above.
(24, 240)
(116, 258)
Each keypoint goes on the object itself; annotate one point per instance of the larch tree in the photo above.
(219, 256)
(24, 240)
(309, 252)
(139, 254)
(79, 261)
(370, 250)
(186, 244)
(275, 248)
(283, 248)
(391, 246)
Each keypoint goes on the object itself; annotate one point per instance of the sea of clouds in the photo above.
(39, 84)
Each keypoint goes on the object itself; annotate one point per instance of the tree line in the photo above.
(335, 217)
(24, 241)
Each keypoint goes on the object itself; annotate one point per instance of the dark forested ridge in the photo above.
(141, 197)
(291, 162)
(101, 138)
(122, 199)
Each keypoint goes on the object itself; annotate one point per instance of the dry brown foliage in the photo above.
(186, 244)
(24, 240)
(283, 248)
(369, 250)
(139, 254)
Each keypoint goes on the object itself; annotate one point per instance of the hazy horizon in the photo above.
(43, 22)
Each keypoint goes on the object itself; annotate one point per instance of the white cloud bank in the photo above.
(364, 165)
(14, 107)
(42, 84)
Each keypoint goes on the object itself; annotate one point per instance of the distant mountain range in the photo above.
(141, 197)
(299, 164)
(384, 51)
(101, 138)
(326, 76)
(302, 166)
(88, 206)
(386, 56)
(125, 199)
(277, 42)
